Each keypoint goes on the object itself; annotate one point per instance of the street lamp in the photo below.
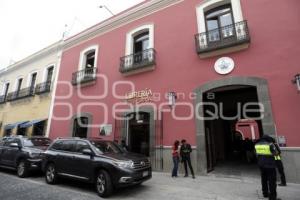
(106, 8)
(172, 99)
(297, 81)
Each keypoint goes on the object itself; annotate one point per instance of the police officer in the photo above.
(185, 153)
(266, 152)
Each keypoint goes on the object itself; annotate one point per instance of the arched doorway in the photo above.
(230, 92)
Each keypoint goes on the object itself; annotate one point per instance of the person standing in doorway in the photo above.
(185, 153)
(266, 151)
(124, 146)
(175, 155)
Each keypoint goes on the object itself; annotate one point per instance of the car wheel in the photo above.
(22, 169)
(51, 175)
(104, 185)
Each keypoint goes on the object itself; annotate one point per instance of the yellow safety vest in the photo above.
(277, 158)
(263, 150)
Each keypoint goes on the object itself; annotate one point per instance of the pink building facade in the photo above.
(168, 70)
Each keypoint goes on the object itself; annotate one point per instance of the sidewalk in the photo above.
(163, 187)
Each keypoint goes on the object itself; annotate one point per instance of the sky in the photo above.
(30, 25)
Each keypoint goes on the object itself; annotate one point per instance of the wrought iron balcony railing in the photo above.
(23, 93)
(137, 61)
(43, 87)
(223, 37)
(2, 99)
(84, 76)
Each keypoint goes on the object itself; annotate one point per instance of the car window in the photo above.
(68, 145)
(41, 141)
(57, 145)
(27, 143)
(80, 145)
(7, 142)
(107, 147)
(18, 141)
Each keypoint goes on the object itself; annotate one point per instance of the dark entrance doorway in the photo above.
(226, 150)
(39, 128)
(80, 127)
(138, 133)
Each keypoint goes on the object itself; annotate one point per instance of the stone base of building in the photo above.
(290, 157)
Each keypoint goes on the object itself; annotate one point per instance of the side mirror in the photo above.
(87, 152)
(14, 145)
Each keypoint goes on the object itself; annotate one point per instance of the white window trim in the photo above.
(83, 53)
(30, 76)
(130, 36)
(4, 87)
(209, 4)
(16, 83)
(45, 73)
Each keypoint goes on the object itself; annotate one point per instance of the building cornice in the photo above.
(119, 20)
(53, 48)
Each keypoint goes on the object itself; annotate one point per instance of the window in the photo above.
(33, 80)
(68, 145)
(220, 27)
(219, 23)
(49, 74)
(140, 39)
(141, 42)
(215, 8)
(19, 84)
(57, 145)
(6, 88)
(139, 52)
(88, 58)
(80, 127)
(8, 141)
(87, 69)
(80, 146)
(64, 145)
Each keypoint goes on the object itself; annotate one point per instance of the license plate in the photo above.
(146, 173)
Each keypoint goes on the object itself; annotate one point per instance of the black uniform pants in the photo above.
(280, 168)
(268, 182)
(187, 161)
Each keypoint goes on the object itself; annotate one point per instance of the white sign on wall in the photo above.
(105, 129)
(224, 65)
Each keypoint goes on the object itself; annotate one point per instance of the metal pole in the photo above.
(104, 6)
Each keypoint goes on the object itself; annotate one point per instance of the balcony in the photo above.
(43, 87)
(85, 76)
(223, 40)
(138, 62)
(24, 93)
(2, 99)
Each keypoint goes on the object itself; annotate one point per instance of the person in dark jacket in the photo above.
(266, 151)
(185, 153)
(124, 146)
(175, 156)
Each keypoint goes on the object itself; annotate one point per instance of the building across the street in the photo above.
(26, 93)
